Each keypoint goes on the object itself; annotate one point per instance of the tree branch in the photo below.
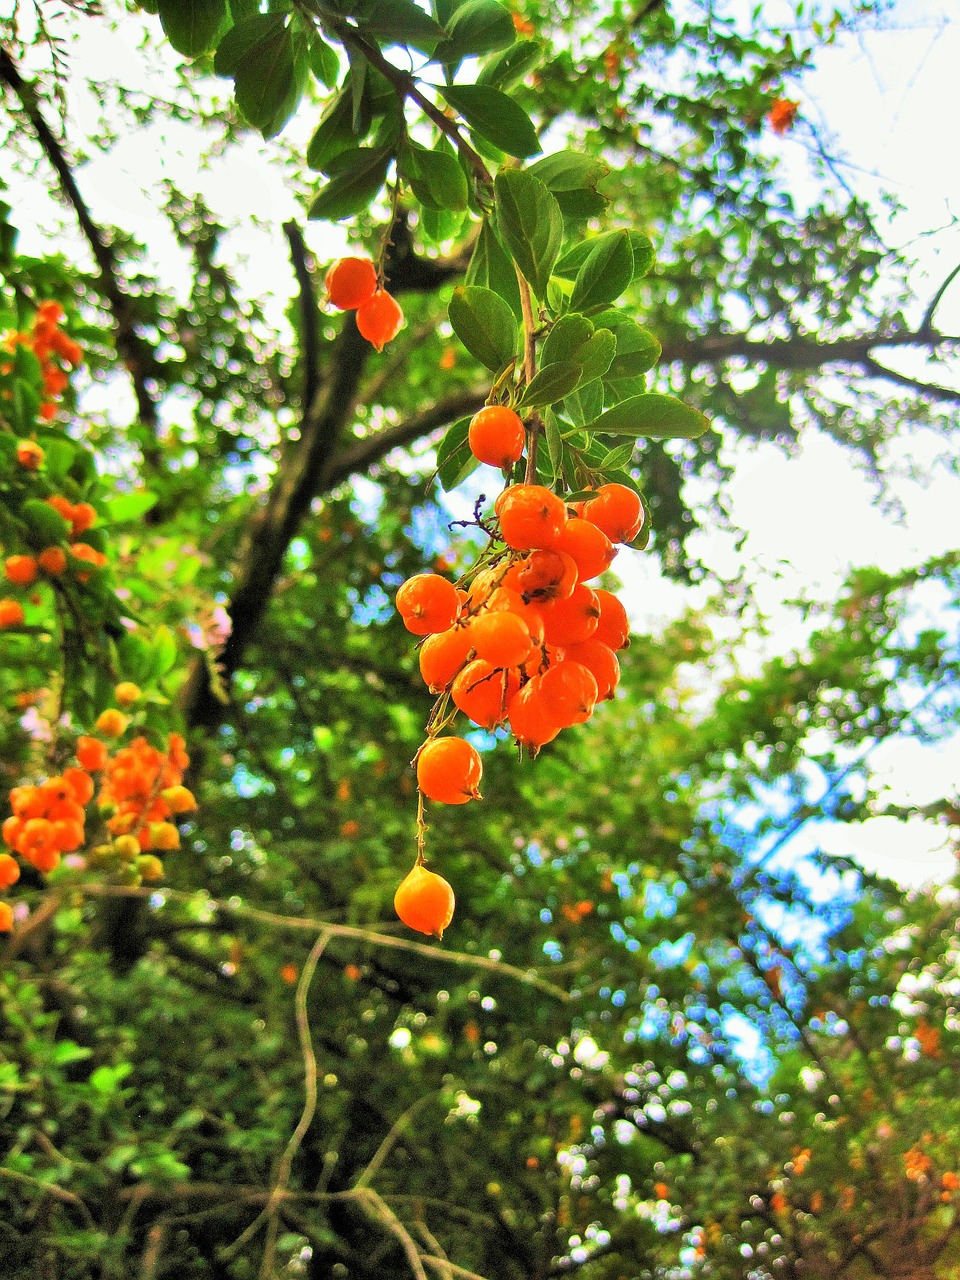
(926, 324)
(135, 353)
(309, 326)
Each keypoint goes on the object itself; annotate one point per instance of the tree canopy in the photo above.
(668, 1032)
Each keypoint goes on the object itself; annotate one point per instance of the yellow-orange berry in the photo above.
(350, 282)
(9, 870)
(178, 799)
(92, 753)
(530, 516)
(111, 723)
(428, 604)
(164, 836)
(6, 917)
(126, 693)
(424, 901)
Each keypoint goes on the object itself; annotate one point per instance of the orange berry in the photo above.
(483, 692)
(178, 799)
(449, 770)
(569, 691)
(425, 902)
(289, 974)
(6, 917)
(52, 560)
(164, 836)
(613, 627)
(496, 436)
(80, 785)
(379, 319)
(530, 719)
(442, 655)
(543, 576)
(12, 831)
(45, 858)
(11, 613)
(616, 510)
(67, 835)
(588, 546)
(49, 312)
(92, 753)
(530, 516)
(127, 693)
(572, 621)
(601, 661)
(148, 867)
(9, 870)
(61, 505)
(21, 570)
(111, 723)
(47, 411)
(28, 802)
(89, 555)
(428, 604)
(29, 454)
(501, 633)
(350, 282)
(84, 517)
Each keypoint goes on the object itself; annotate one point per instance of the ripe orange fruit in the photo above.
(589, 547)
(6, 917)
(614, 627)
(427, 604)
(617, 510)
(601, 661)
(29, 454)
(111, 723)
(9, 870)
(350, 282)
(572, 621)
(83, 517)
(91, 753)
(11, 613)
(569, 691)
(52, 560)
(496, 436)
(483, 692)
(442, 655)
(449, 770)
(424, 901)
(531, 516)
(21, 570)
(379, 319)
(543, 575)
(530, 719)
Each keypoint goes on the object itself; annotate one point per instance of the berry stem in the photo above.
(422, 830)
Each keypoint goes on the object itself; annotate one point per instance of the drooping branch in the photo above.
(135, 353)
(926, 324)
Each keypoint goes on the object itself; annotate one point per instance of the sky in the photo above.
(885, 100)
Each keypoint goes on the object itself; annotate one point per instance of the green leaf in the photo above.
(260, 54)
(638, 350)
(606, 272)
(653, 416)
(555, 446)
(128, 506)
(571, 262)
(241, 40)
(532, 225)
(618, 457)
(335, 131)
(356, 179)
(46, 525)
(403, 22)
(584, 403)
(477, 27)
(491, 267)
(324, 62)
(495, 117)
(574, 338)
(192, 26)
(551, 384)
(454, 458)
(506, 70)
(437, 178)
(569, 171)
(485, 325)
(164, 650)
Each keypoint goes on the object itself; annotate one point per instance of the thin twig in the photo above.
(309, 325)
(301, 924)
(381, 1212)
(926, 324)
(381, 1153)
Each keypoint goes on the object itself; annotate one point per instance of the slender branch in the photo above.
(926, 324)
(360, 455)
(134, 351)
(309, 326)
(529, 372)
(301, 924)
(947, 394)
(382, 1213)
(406, 87)
(797, 352)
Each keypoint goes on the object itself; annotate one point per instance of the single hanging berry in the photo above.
(379, 319)
(424, 901)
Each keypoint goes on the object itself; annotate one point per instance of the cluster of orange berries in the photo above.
(527, 644)
(140, 788)
(46, 339)
(23, 570)
(352, 285)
